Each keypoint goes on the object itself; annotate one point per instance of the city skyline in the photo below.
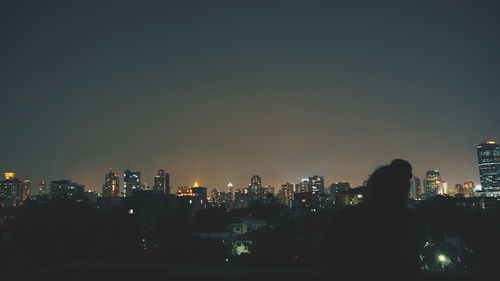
(196, 181)
(210, 93)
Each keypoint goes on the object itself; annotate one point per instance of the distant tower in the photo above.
(255, 184)
(162, 181)
(443, 187)
(431, 183)
(488, 155)
(10, 190)
(25, 190)
(302, 186)
(340, 186)
(41, 188)
(131, 182)
(316, 184)
(111, 187)
(287, 194)
(414, 188)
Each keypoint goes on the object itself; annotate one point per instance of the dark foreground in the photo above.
(124, 272)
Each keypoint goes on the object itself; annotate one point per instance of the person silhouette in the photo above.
(377, 239)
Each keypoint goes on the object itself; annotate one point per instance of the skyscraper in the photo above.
(162, 181)
(414, 188)
(488, 155)
(41, 188)
(431, 183)
(302, 186)
(316, 184)
(287, 194)
(131, 182)
(25, 190)
(10, 188)
(111, 187)
(443, 187)
(255, 184)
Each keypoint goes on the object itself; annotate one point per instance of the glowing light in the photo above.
(9, 175)
(442, 258)
(491, 142)
(130, 211)
(230, 185)
(196, 184)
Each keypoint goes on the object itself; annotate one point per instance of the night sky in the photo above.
(216, 91)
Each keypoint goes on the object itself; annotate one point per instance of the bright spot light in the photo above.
(442, 258)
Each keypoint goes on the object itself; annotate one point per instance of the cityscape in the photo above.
(312, 190)
(233, 223)
(242, 140)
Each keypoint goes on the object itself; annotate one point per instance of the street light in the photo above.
(442, 259)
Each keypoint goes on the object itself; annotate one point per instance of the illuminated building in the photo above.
(414, 187)
(287, 194)
(316, 184)
(65, 189)
(339, 187)
(431, 183)
(306, 200)
(193, 198)
(443, 187)
(488, 154)
(41, 188)
(468, 188)
(302, 186)
(10, 189)
(162, 181)
(111, 187)
(25, 190)
(351, 197)
(458, 190)
(255, 183)
(131, 182)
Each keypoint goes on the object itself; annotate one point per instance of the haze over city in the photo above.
(217, 93)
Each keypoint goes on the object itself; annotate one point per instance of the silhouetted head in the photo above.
(390, 185)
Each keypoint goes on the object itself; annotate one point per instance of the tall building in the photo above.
(432, 181)
(162, 181)
(41, 188)
(302, 186)
(443, 187)
(10, 190)
(111, 187)
(414, 188)
(65, 189)
(339, 187)
(131, 182)
(287, 194)
(316, 184)
(25, 190)
(255, 184)
(488, 155)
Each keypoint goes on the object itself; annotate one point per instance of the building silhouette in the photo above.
(432, 182)
(111, 187)
(287, 194)
(162, 181)
(415, 186)
(131, 182)
(10, 188)
(488, 155)
(316, 184)
(66, 189)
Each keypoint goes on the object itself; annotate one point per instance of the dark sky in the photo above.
(216, 91)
